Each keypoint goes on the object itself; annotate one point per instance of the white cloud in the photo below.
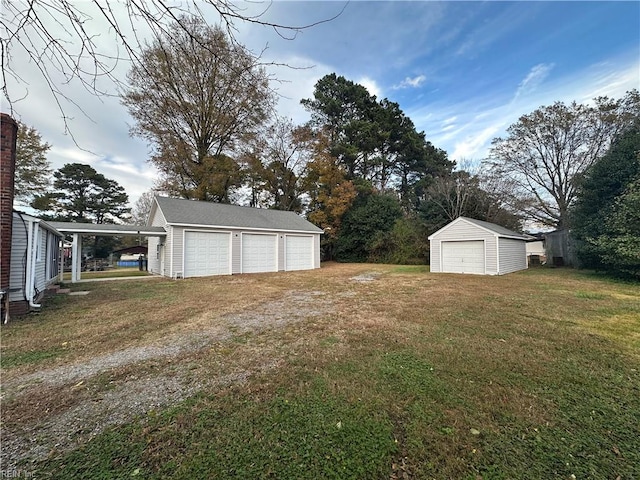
(297, 83)
(371, 86)
(534, 79)
(409, 82)
(474, 145)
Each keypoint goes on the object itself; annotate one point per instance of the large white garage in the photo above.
(473, 246)
(205, 238)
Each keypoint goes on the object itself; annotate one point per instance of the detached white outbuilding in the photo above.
(467, 245)
(204, 238)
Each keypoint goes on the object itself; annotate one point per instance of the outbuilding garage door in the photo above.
(463, 257)
(206, 253)
(298, 252)
(259, 253)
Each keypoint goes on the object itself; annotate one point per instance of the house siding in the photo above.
(40, 280)
(18, 259)
(175, 249)
(46, 267)
(513, 255)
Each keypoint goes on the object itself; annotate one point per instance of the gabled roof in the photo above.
(193, 212)
(493, 228)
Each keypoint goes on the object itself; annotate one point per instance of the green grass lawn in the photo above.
(411, 375)
(110, 273)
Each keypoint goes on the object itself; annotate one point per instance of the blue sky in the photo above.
(463, 71)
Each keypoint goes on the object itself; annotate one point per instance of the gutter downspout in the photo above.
(31, 262)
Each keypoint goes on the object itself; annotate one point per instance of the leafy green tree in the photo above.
(406, 243)
(620, 245)
(369, 217)
(80, 194)
(604, 219)
(33, 171)
(547, 151)
(377, 147)
(198, 98)
(373, 141)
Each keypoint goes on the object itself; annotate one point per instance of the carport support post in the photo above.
(76, 257)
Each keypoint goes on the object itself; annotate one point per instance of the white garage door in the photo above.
(298, 252)
(463, 257)
(259, 253)
(206, 253)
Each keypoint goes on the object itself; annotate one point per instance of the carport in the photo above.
(103, 229)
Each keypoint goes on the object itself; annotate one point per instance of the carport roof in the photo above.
(193, 212)
(107, 229)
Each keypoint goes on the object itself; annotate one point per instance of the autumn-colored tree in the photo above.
(198, 98)
(331, 194)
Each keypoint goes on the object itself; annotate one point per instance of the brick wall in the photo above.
(7, 169)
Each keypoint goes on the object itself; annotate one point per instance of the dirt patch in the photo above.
(71, 419)
(366, 277)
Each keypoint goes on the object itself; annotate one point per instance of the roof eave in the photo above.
(237, 227)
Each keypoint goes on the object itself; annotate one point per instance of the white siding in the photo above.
(281, 252)
(316, 250)
(40, 282)
(434, 256)
(236, 252)
(155, 252)
(18, 259)
(174, 256)
(513, 255)
(46, 260)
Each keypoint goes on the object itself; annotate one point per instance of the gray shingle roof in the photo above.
(193, 212)
(501, 231)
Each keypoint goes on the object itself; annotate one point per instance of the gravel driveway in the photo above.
(76, 401)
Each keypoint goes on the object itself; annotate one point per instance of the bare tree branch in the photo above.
(61, 39)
